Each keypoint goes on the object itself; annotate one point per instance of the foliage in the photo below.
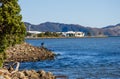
(89, 34)
(12, 30)
(49, 34)
(28, 34)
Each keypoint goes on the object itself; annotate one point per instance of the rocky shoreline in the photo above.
(26, 52)
(23, 53)
(25, 74)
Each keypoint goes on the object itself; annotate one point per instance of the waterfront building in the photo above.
(73, 34)
(34, 32)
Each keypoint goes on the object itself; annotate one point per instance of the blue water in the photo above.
(80, 58)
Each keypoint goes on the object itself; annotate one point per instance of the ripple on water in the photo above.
(86, 58)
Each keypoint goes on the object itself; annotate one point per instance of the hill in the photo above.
(113, 30)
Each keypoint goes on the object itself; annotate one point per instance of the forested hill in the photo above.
(112, 30)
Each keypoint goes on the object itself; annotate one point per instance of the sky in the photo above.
(90, 13)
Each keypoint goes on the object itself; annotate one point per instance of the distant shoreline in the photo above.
(65, 37)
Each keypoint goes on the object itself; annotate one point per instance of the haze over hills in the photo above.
(112, 30)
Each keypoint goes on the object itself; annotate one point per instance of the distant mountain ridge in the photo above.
(112, 30)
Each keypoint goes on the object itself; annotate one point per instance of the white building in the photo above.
(73, 34)
(34, 32)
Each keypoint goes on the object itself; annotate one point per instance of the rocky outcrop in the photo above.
(26, 74)
(26, 52)
(22, 53)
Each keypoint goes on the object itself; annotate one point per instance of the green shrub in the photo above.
(12, 30)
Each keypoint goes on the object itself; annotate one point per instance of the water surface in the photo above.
(81, 58)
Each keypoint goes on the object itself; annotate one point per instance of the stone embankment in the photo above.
(25, 74)
(26, 52)
(22, 53)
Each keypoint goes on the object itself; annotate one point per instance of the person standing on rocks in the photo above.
(42, 44)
